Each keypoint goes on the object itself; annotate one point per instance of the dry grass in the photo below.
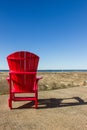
(51, 81)
(60, 80)
(3, 83)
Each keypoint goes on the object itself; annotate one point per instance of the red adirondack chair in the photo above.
(22, 76)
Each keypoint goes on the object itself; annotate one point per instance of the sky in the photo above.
(55, 30)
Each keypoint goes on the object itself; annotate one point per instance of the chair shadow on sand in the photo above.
(54, 103)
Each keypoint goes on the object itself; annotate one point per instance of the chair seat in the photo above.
(21, 91)
(23, 98)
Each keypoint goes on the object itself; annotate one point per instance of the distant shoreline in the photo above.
(65, 70)
(62, 70)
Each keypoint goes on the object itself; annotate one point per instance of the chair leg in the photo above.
(12, 96)
(36, 100)
(36, 103)
(10, 103)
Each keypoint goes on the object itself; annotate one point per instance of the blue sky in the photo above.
(56, 30)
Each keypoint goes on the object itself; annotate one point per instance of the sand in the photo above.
(63, 109)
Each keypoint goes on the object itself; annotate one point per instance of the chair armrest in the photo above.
(8, 80)
(39, 77)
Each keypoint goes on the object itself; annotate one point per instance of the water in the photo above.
(68, 70)
(62, 70)
(4, 70)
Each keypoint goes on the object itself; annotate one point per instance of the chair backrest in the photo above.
(23, 61)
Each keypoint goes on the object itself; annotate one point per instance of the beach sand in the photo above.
(62, 109)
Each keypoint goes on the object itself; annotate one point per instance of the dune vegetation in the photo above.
(51, 81)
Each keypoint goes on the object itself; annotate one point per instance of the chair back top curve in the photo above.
(23, 62)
